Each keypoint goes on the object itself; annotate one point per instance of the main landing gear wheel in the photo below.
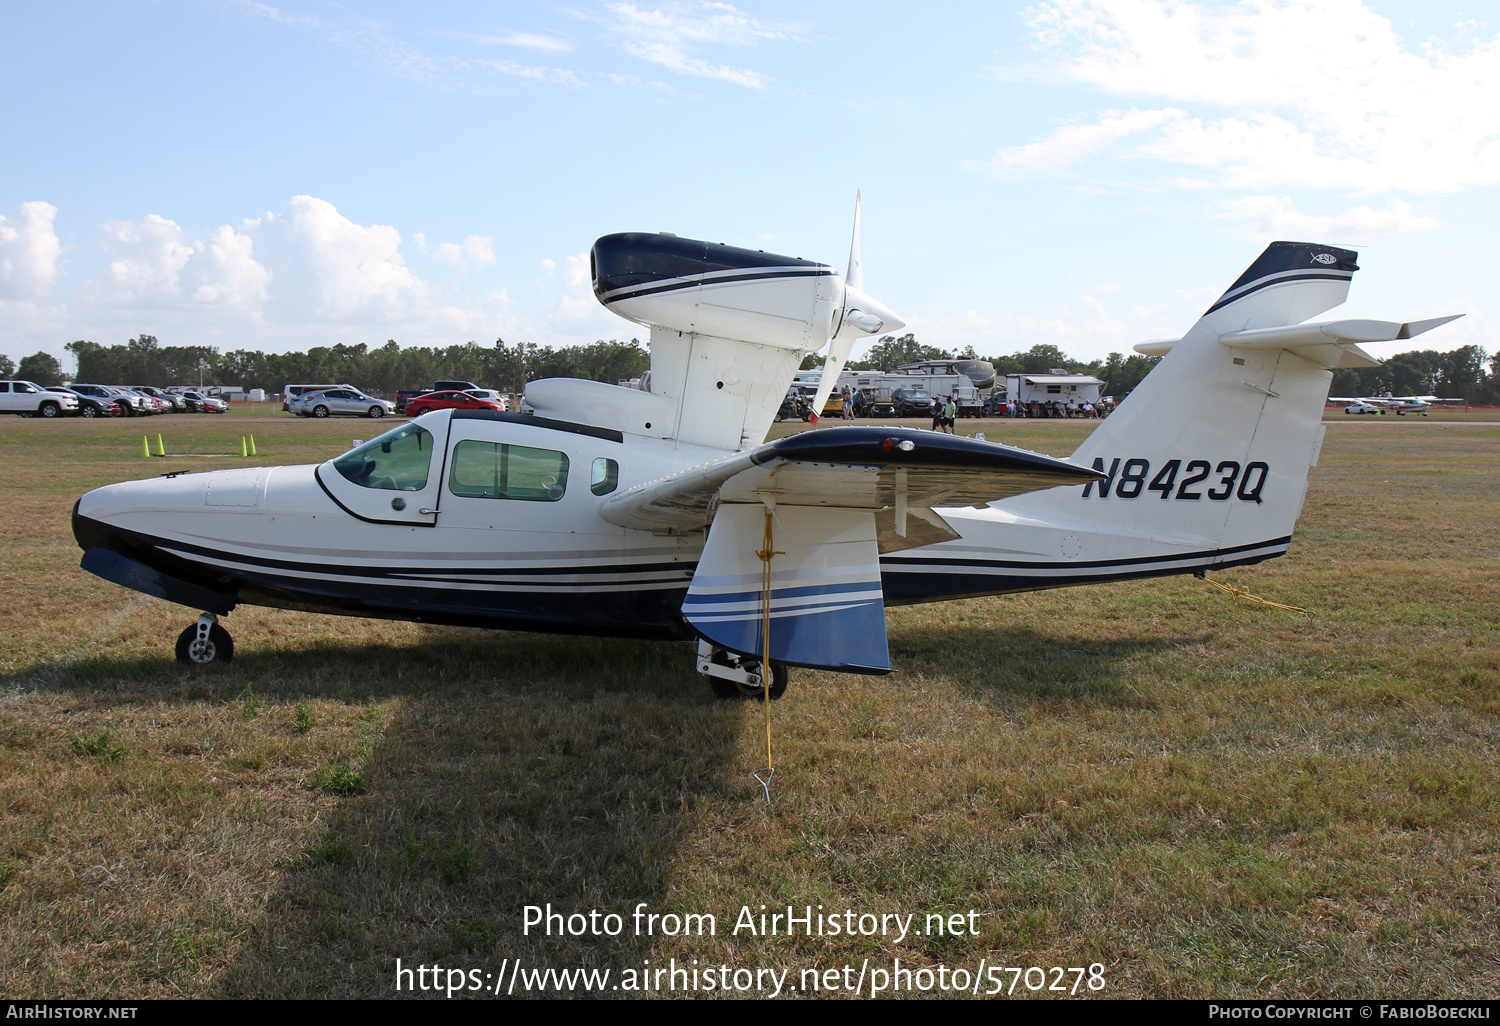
(725, 688)
(205, 642)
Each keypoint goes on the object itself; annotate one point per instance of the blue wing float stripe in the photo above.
(827, 604)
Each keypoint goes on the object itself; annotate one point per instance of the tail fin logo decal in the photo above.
(1326, 258)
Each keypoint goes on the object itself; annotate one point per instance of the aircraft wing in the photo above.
(853, 468)
(837, 499)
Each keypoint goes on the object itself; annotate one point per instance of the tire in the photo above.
(320, 411)
(418, 411)
(726, 689)
(376, 412)
(49, 410)
(89, 411)
(219, 649)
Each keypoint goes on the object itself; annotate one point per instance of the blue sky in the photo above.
(1089, 173)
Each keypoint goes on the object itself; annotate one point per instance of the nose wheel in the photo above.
(205, 642)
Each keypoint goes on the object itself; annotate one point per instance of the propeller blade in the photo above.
(856, 276)
(862, 316)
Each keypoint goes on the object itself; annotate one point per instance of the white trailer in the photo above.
(1069, 389)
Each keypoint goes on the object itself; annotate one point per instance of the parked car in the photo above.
(175, 403)
(912, 402)
(89, 406)
(333, 401)
(421, 404)
(32, 400)
(151, 403)
(406, 395)
(197, 402)
(291, 392)
(491, 395)
(130, 403)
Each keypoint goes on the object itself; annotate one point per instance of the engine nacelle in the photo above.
(709, 289)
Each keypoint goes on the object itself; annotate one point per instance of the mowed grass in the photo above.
(1207, 798)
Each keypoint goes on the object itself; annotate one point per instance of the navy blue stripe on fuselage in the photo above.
(914, 556)
(927, 580)
(699, 280)
(1266, 283)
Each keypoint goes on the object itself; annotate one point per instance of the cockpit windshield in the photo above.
(398, 460)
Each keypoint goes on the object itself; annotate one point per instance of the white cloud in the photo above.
(1268, 217)
(1072, 143)
(327, 267)
(578, 317)
(30, 253)
(1085, 327)
(223, 272)
(524, 40)
(674, 34)
(480, 249)
(149, 257)
(1292, 93)
(308, 263)
(371, 42)
(475, 249)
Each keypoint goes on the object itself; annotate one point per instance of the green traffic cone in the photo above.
(145, 447)
(161, 450)
(252, 446)
(242, 446)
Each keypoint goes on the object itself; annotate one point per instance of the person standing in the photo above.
(950, 411)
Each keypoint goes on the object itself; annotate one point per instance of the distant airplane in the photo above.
(1397, 404)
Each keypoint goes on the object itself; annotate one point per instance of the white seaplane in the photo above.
(1400, 405)
(664, 513)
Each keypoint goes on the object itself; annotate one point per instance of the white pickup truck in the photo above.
(32, 400)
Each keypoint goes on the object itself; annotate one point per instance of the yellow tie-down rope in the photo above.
(765, 553)
(1240, 593)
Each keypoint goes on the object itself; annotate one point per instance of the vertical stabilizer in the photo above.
(1212, 449)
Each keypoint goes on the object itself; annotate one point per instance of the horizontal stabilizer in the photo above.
(1157, 347)
(1293, 336)
(1411, 329)
(827, 605)
(1328, 343)
(855, 467)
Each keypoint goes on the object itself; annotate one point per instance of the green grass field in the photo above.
(1204, 798)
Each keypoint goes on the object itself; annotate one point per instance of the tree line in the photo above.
(143, 360)
(388, 368)
(1462, 373)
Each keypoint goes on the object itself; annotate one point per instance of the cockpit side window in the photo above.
(398, 460)
(493, 470)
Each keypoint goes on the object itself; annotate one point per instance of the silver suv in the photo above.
(333, 401)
